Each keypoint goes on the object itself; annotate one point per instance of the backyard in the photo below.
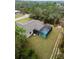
(43, 47)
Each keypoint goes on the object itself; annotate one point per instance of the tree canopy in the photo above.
(22, 51)
(49, 12)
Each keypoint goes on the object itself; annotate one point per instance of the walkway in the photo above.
(25, 16)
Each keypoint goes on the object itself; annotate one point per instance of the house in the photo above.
(17, 12)
(45, 30)
(36, 27)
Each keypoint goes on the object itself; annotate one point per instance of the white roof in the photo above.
(17, 11)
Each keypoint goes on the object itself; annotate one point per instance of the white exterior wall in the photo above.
(29, 30)
(28, 34)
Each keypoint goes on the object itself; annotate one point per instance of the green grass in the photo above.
(24, 20)
(18, 15)
(43, 47)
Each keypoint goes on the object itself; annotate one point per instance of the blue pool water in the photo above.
(45, 31)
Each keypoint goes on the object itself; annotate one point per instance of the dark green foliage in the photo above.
(22, 51)
(49, 12)
(19, 41)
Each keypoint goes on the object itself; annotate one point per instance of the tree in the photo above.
(36, 13)
(49, 12)
(21, 46)
(19, 41)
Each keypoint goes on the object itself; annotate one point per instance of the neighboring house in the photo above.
(17, 12)
(36, 27)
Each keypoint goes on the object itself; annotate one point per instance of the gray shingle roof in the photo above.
(34, 24)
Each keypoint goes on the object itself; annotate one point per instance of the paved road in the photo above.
(55, 50)
(25, 16)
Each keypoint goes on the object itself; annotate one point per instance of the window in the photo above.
(30, 32)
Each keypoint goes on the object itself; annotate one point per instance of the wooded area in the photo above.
(49, 12)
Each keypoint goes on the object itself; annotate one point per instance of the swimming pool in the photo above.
(45, 31)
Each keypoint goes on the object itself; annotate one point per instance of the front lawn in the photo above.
(18, 15)
(24, 20)
(43, 47)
